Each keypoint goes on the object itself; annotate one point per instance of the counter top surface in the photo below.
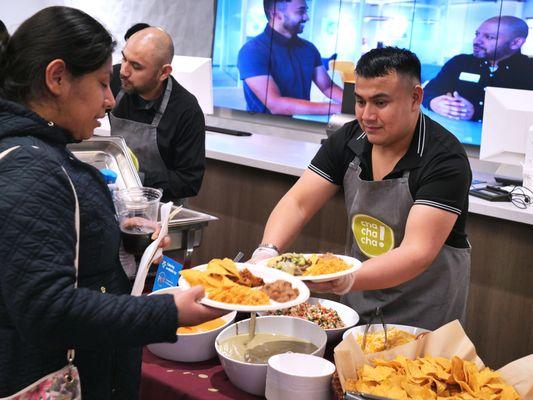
(270, 153)
(291, 157)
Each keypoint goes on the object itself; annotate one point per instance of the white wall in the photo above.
(14, 12)
(189, 22)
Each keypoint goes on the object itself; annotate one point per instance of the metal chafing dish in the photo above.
(108, 152)
(185, 229)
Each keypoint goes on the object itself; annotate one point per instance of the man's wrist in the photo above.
(269, 246)
(264, 251)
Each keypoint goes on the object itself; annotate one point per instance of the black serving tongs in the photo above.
(378, 313)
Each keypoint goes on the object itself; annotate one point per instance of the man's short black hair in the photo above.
(381, 62)
(135, 28)
(268, 5)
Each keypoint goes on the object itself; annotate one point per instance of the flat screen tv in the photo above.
(463, 45)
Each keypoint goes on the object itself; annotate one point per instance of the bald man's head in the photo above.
(146, 62)
(154, 40)
(514, 26)
(500, 37)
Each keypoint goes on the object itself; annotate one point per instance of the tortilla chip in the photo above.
(216, 269)
(430, 378)
(208, 281)
(194, 277)
(225, 266)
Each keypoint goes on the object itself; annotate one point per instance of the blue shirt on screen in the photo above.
(290, 62)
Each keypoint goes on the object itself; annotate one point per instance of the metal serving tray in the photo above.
(108, 152)
(185, 229)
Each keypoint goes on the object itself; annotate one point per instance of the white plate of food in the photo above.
(313, 267)
(333, 317)
(245, 287)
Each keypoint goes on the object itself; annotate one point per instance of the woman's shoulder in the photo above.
(18, 148)
(31, 164)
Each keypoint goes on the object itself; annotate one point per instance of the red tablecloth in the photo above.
(170, 380)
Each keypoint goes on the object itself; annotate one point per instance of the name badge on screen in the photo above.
(469, 77)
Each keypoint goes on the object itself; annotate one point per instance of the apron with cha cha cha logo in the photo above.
(377, 215)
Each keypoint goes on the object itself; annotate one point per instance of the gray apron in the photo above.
(377, 212)
(141, 138)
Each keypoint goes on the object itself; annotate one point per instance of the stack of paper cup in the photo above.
(298, 376)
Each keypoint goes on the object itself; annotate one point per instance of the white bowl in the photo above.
(190, 347)
(303, 376)
(252, 377)
(347, 314)
(360, 330)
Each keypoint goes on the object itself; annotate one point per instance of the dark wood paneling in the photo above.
(243, 198)
(500, 306)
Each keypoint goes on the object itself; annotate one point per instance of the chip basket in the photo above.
(335, 381)
(340, 395)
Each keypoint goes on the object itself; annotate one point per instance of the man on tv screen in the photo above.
(278, 67)
(458, 91)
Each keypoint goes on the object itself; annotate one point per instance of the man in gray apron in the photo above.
(160, 120)
(406, 182)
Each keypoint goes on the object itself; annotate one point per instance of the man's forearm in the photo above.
(333, 92)
(296, 208)
(391, 269)
(337, 93)
(291, 106)
(284, 224)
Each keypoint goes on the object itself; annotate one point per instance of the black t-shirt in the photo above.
(180, 135)
(439, 171)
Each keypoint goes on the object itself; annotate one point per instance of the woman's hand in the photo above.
(165, 242)
(190, 312)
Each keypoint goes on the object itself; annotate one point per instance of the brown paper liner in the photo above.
(447, 341)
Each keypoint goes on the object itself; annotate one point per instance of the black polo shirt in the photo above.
(439, 171)
(180, 135)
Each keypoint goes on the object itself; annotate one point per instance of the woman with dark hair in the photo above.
(54, 86)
